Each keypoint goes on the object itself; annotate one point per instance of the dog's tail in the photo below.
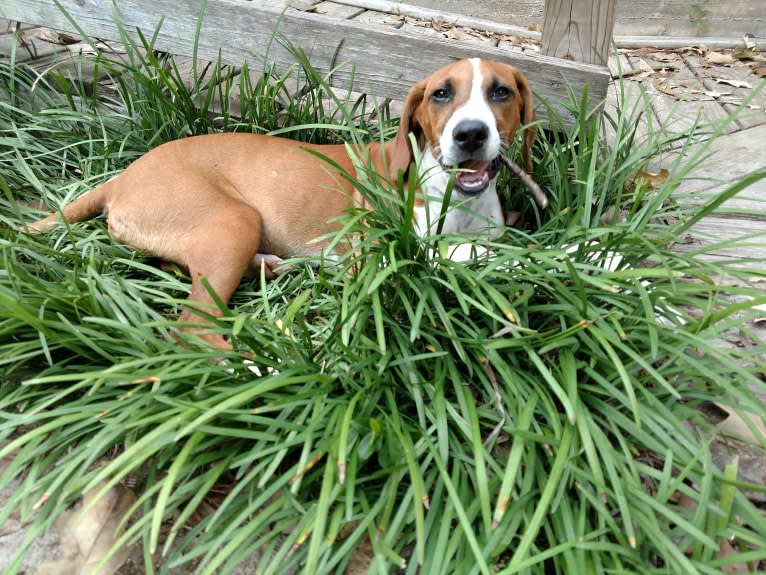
(85, 207)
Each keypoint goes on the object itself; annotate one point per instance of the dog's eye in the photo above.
(441, 95)
(500, 93)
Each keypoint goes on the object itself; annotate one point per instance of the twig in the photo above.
(537, 192)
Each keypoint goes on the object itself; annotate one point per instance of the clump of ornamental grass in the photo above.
(536, 410)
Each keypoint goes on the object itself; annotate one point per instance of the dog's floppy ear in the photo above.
(527, 116)
(399, 150)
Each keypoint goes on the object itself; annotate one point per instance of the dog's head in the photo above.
(466, 114)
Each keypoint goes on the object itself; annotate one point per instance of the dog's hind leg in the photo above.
(86, 206)
(218, 252)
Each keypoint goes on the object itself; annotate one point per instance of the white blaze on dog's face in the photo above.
(463, 117)
(474, 114)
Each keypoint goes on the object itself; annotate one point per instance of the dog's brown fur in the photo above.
(211, 203)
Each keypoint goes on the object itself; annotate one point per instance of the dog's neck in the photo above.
(479, 214)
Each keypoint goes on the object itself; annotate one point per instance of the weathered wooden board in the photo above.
(374, 18)
(735, 83)
(578, 30)
(743, 238)
(335, 10)
(29, 48)
(674, 92)
(382, 60)
(732, 18)
(730, 158)
(451, 33)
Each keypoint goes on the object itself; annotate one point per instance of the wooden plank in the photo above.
(578, 30)
(627, 98)
(374, 18)
(734, 83)
(29, 47)
(693, 18)
(510, 46)
(444, 14)
(619, 65)
(676, 93)
(747, 238)
(729, 159)
(336, 10)
(676, 42)
(386, 62)
(448, 31)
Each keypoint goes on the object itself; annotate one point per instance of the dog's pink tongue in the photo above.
(476, 176)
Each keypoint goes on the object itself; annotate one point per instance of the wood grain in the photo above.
(578, 30)
(697, 18)
(381, 60)
(744, 238)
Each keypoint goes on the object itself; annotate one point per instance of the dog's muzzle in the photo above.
(474, 173)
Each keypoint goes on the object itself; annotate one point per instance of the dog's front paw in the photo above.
(466, 252)
(248, 365)
(459, 253)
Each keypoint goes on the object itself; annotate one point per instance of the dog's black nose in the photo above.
(470, 135)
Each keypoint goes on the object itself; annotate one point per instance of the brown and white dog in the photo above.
(220, 203)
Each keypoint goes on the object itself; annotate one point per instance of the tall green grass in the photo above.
(533, 411)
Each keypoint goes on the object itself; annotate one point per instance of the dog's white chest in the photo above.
(472, 215)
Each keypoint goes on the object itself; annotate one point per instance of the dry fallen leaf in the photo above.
(715, 95)
(535, 27)
(56, 37)
(720, 58)
(453, 34)
(644, 179)
(90, 532)
(651, 180)
(665, 57)
(726, 549)
(660, 85)
(736, 425)
(643, 66)
(735, 83)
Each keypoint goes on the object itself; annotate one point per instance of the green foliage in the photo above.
(523, 413)
(699, 16)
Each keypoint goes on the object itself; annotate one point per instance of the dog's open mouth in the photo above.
(475, 175)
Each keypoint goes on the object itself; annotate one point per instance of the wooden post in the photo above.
(579, 30)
